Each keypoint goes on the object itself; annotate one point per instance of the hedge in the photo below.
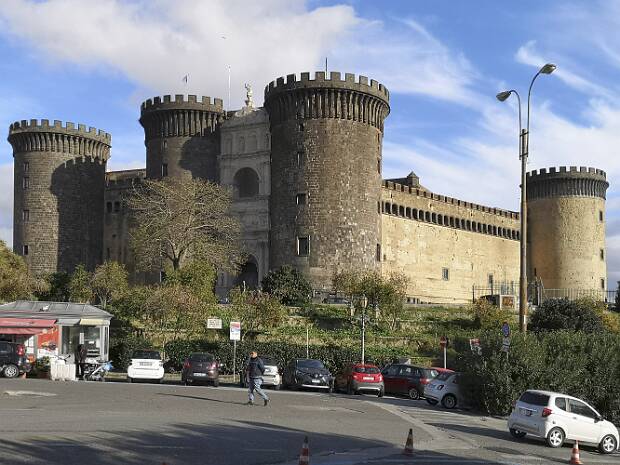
(335, 357)
(575, 363)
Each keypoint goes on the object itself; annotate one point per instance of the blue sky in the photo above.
(93, 62)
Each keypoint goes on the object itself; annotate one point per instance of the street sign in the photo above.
(474, 345)
(506, 329)
(235, 330)
(443, 341)
(214, 323)
(506, 344)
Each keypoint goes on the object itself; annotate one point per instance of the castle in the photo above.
(308, 189)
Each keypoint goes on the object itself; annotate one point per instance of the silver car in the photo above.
(271, 376)
(445, 389)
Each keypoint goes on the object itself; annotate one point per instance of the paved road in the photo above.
(111, 423)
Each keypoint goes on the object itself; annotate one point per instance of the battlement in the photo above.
(70, 128)
(449, 200)
(335, 81)
(565, 181)
(124, 179)
(182, 102)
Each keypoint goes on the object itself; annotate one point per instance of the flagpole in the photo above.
(228, 89)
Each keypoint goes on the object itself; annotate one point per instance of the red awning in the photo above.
(25, 326)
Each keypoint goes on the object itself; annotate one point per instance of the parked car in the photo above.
(200, 367)
(145, 364)
(307, 373)
(357, 377)
(13, 360)
(445, 389)
(403, 379)
(271, 377)
(440, 370)
(558, 417)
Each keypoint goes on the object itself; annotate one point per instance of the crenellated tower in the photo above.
(181, 136)
(59, 180)
(566, 228)
(326, 138)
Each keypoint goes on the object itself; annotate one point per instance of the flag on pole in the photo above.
(185, 78)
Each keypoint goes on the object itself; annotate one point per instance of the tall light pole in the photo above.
(524, 136)
(363, 303)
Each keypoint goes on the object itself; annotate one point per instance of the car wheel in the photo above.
(608, 444)
(277, 387)
(330, 389)
(216, 383)
(414, 394)
(381, 393)
(515, 433)
(11, 371)
(129, 380)
(448, 401)
(432, 401)
(159, 381)
(555, 437)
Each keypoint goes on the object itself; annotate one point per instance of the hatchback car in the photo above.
(13, 360)
(407, 380)
(558, 417)
(445, 389)
(271, 376)
(357, 377)
(307, 373)
(145, 364)
(200, 367)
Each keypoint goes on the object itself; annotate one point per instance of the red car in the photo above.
(357, 377)
(409, 380)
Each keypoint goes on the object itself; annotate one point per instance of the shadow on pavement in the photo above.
(259, 401)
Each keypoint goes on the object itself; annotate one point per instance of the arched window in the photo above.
(248, 274)
(440, 219)
(408, 212)
(401, 211)
(468, 224)
(427, 217)
(415, 213)
(245, 183)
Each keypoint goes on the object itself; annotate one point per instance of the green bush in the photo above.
(288, 285)
(563, 314)
(581, 364)
(488, 316)
(122, 348)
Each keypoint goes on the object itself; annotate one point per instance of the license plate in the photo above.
(526, 412)
(200, 374)
(368, 378)
(145, 364)
(316, 381)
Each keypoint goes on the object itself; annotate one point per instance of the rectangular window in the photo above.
(26, 166)
(603, 283)
(379, 165)
(600, 215)
(25, 249)
(26, 183)
(108, 207)
(164, 170)
(490, 281)
(300, 159)
(602, 254)
(301, 199)
(445, 274)
(25, 216)
(303, 246)
(378, 254)
(117, 207)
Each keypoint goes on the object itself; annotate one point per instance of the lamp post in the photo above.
(524, 135)
(363, 303)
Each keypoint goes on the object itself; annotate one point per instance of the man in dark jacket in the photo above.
(254, 375)
(80, 359)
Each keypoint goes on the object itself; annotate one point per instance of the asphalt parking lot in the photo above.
(110, 423)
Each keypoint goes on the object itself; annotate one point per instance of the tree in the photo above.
(108, 282)
(347, 282)
(288, 285)
(79, 285)
(175, 220)
(392, 298)
(55, 287)
(255, 310)
(559, 314)
(15, 281)
(199, 277)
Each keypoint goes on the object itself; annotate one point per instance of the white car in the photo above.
(145, 364)
(445, 389)
(558, 417)
(271, 376)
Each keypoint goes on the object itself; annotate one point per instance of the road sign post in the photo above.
(235, 335)
(443, 341)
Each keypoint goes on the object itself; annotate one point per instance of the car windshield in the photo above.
(201, 358)
(146, 354)
(269, 361)
(367, 370)
(444, 376)
(535, 398)
(310, 364)
(431, 373)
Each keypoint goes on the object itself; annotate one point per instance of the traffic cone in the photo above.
(304, 457)
(409, 444)
(574, 456)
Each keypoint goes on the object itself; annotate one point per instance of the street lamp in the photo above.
(524, 135)
(363, 302)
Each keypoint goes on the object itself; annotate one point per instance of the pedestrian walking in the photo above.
(80, 360)
(254, 376)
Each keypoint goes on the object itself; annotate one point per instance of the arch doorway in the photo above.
(245, 183)
(248, 274)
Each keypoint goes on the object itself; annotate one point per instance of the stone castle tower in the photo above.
(305, 174)
(59, 187)
(326, 137)
(181, 137)
(566, 220)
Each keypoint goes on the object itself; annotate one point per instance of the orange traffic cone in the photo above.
(574, 456)
(409, 444)
(304, 457)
